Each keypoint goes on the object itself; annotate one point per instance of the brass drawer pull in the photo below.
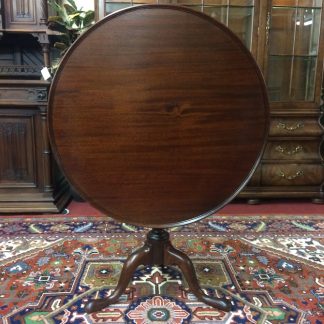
(290, 128)
(299, 173)
(286, 151)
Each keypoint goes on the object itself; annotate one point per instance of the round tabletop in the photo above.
(158, 115)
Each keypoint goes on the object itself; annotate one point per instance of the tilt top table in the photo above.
(158, 116)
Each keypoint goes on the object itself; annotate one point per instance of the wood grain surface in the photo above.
(158, 115)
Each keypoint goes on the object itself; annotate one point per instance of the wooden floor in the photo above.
(289, 207)
(267, 207)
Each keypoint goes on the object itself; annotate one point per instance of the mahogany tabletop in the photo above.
(158, 115)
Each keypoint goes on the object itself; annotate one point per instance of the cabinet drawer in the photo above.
(290, 126)
(20, 92)
(292, 150)
(23, 94)
(292, 174)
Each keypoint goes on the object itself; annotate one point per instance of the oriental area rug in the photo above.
(270, 266)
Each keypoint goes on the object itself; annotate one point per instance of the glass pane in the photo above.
(167, 1)
(197, 8)
(284, 3)
(240, 22)
(236, 14)
(218, 13)
(137, 2)
(307, 31)
(189, 2)
(310, 3)
(119, 1)
(241, 3)
(283, 24)
(114, 5)
(278, 80)
(303, 78)
(216, 2)
(297, 3)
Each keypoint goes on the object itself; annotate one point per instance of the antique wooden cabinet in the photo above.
(286, 37)
(29, 178)
(292, 46)
(27, 16)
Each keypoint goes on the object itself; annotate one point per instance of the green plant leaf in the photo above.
(59, 9)
(57, 19)
(57, 26)
(70, 22)
(76, 19)
(88, 19)
(60, 45)
(75, 15)
(66, 39)
(68, 8)
(72, 4)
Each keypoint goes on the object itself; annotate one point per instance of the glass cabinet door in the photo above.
(294, 29)
(238, 15)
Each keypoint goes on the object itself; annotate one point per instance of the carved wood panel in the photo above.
(19, 94)
(17, 151)
(22, 11)
(25, 14)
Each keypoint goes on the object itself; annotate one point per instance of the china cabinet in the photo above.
(292, 62)
(286, 38)
(241, 16)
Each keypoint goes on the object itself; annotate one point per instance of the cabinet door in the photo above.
(294, 51)
(17, 149)
(25, 15)
(241, 16)
(29, 181)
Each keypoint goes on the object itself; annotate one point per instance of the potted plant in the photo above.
(66, 26)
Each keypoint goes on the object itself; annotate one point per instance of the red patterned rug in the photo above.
(270, 266)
